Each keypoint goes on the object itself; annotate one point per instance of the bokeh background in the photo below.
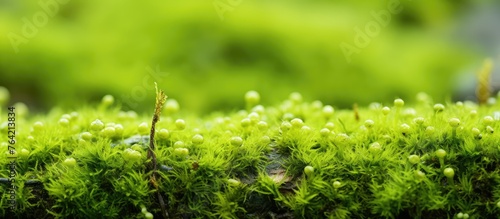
(207, 54)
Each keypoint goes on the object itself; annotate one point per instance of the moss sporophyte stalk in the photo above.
(295, 159)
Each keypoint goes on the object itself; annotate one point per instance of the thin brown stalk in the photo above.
(152, 165)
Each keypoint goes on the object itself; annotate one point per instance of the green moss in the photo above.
(296, 159)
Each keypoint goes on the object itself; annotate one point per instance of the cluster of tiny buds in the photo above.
(285, 126)
(414, 159)
(180, 124)
(197, 139)
(66, 118)
(440, 153)
(236, 141)
(252, 119)
(343, 137)
(324, 132)
(297, 123)
(374, 106)
(163, 134)
(107, 100)
(430, 130)
(252, 97)
(399, 103)
(488, 120)
(262, 125)
(69, 162)
(171, 106)
(246, 122)
(110, 130)
(473, 113)
(490, 129)
(265, 139)
(306, 128)
(143, 128)
(449, 172)
(259, 109)
(309, 171)
(438, 107)
(146, 213)
(337, 184)
(419, 120)
(330, 125)
(233, 182)
(420, 174)
(288, 116)
(38, 126)
(405, 128)
(369, 123)
(476, 132)
(181, 151)
(386, 110)
(454, 122)
(87, 136)
(410, 112)
(296, 97)
(375, 146)
(131, 155)
(63, 122)
(423, 97)
(462, 215)
(96, 125)
(328, 111)
(316, 105)
(179, 144)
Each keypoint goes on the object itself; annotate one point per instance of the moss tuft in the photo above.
(294, 160)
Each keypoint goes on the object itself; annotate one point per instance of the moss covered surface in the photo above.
(297, 159)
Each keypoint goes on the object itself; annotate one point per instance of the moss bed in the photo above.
(296, 159)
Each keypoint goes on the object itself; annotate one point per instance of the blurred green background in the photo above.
(207, 57)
